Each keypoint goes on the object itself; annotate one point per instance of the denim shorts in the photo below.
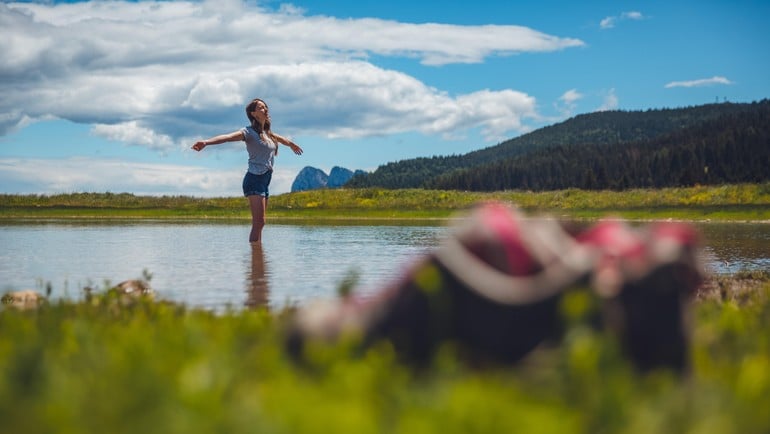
(257, 184)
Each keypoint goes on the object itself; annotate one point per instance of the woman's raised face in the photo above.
(260, 111)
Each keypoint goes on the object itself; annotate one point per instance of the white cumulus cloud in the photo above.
(77, 174)
(610, 101)
(611, 21)
(608, 22)
(699, 83)
(132, 132)
(151, 73)
(567, 102)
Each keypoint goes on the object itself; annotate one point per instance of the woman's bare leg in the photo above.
(258, 205)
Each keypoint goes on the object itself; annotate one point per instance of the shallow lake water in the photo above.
(211, 265)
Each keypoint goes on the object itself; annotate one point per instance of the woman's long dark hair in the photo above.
(254, 124)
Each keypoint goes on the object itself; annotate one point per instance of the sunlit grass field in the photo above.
(104, 365)
(728, 202)
(107, 365)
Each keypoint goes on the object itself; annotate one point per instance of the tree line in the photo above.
(710, 144)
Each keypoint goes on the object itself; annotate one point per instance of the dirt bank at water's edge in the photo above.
(739, 287)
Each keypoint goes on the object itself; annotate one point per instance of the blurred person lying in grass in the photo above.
(500, 285)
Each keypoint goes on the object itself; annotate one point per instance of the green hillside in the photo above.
(591, 136)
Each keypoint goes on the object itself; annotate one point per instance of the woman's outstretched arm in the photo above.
(216, 140)
(283, 140)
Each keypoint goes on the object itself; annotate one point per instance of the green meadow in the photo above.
(740, 202)
(107, 364)
(110, 364)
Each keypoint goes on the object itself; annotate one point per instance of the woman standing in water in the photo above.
(262, 145)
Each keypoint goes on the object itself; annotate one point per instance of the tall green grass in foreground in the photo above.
(101, 366)
(727, 202)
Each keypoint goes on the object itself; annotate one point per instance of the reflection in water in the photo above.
(734, 247)
(257, 287)
(294, 265)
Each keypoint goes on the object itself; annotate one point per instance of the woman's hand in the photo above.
(297, 150)
(199, 145)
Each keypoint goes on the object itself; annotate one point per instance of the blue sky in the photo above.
(109, 96)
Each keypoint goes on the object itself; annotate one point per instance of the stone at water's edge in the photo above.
(25, 299)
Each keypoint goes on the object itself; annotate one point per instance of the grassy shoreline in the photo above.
(739, 202)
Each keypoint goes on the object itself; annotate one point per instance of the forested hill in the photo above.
(709, 144)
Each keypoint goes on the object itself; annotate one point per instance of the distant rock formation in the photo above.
(311, 178)
(338, 177)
